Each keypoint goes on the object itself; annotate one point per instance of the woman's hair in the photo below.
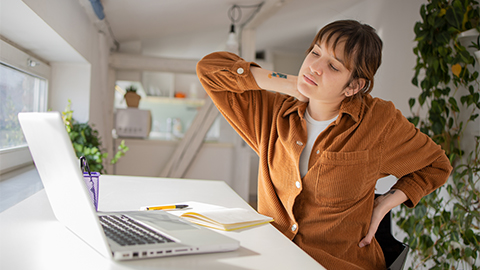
(362, 49)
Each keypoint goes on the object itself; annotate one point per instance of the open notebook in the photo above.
(221, 218)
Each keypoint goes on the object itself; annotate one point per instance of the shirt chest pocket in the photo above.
(341, 178)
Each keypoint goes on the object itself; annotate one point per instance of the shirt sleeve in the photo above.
(420, 165)
(228, 81)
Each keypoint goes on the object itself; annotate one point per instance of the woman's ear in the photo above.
(355, 86)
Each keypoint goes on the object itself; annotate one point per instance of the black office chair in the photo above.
(395, 251)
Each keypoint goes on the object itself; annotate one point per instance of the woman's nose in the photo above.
(316, 69)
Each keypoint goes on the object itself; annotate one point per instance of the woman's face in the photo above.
(323, 75)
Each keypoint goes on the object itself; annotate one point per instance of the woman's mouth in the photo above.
(309, 80)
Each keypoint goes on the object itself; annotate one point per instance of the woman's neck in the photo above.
(323, 111)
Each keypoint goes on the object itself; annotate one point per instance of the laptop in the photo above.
(113, 234)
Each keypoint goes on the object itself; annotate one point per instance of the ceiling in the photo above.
(192, 28)
(189, 28)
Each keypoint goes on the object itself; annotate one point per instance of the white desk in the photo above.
(31, 237)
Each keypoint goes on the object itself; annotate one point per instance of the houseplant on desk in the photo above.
(443, 230)
(86, 142)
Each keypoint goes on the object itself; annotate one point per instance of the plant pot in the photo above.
(469, 33)
(132, 99)
(477, 55)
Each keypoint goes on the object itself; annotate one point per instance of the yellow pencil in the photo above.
(166, 207)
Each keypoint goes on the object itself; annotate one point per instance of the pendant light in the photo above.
(235, 14)
(232, 42)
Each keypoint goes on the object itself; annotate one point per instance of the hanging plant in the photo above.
(443, 229)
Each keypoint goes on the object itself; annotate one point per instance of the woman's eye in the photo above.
(332, 67)
(315, 53)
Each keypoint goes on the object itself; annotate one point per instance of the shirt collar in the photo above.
(299, 107)
(353, 107)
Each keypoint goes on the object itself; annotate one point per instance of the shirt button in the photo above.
(318, 152)
(294, 227)
(298, 184)
(240, 71)
(300, 143)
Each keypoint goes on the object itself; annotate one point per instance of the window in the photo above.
(20, 92)
(23, 88)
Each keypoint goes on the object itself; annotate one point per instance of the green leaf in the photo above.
(422, 98)
(465, 56)
(425, 84)
(421, 37)
(449, 190)
(443, 38)
(453, 18)
(455, 236)
(423, 12)
(450, 122)
(411, 102)
(420, 211)
(468, 252)
(414, 120)
(469, 100)
(475, 75)
(453, 103)
(473, 117)
(476, 97)
(78, 147)
(415, 81)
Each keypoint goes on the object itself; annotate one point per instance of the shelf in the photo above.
(186, 101)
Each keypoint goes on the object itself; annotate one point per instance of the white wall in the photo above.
(84, 82)
(70, 81)
(395, 22)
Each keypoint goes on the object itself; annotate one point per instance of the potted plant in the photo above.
(131, 97)
(86, 142)
(443, 230)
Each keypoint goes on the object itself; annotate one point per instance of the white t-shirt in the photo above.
(314, 128)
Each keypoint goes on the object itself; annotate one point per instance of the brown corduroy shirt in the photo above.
(328, 211)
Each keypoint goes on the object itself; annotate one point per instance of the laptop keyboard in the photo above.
(126, 231)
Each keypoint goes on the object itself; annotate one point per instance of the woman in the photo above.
(323, 143)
